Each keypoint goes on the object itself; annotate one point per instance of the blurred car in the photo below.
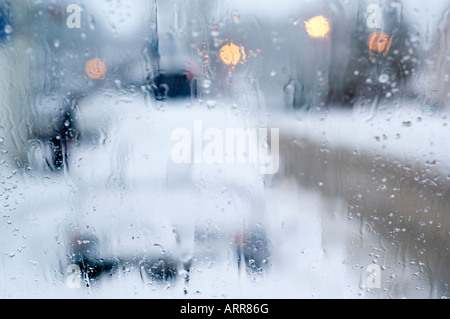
(153, 214)
(108, 129)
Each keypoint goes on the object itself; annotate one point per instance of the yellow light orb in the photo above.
(231, 54)
(95, 69)
(317, 27)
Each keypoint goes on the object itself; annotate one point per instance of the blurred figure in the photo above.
(384, 56)
(437, 72)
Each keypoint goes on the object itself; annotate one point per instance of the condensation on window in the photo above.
(224, 149)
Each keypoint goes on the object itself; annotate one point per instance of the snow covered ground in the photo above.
(123, 187)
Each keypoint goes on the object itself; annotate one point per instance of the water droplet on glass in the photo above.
(383, 78)
(211, 104)
(8, 29)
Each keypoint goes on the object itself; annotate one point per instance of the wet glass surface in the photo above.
(224, 149)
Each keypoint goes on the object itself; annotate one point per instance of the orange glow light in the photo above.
(379, 42)
(95, 69)
(231, 54)
(317, 27)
